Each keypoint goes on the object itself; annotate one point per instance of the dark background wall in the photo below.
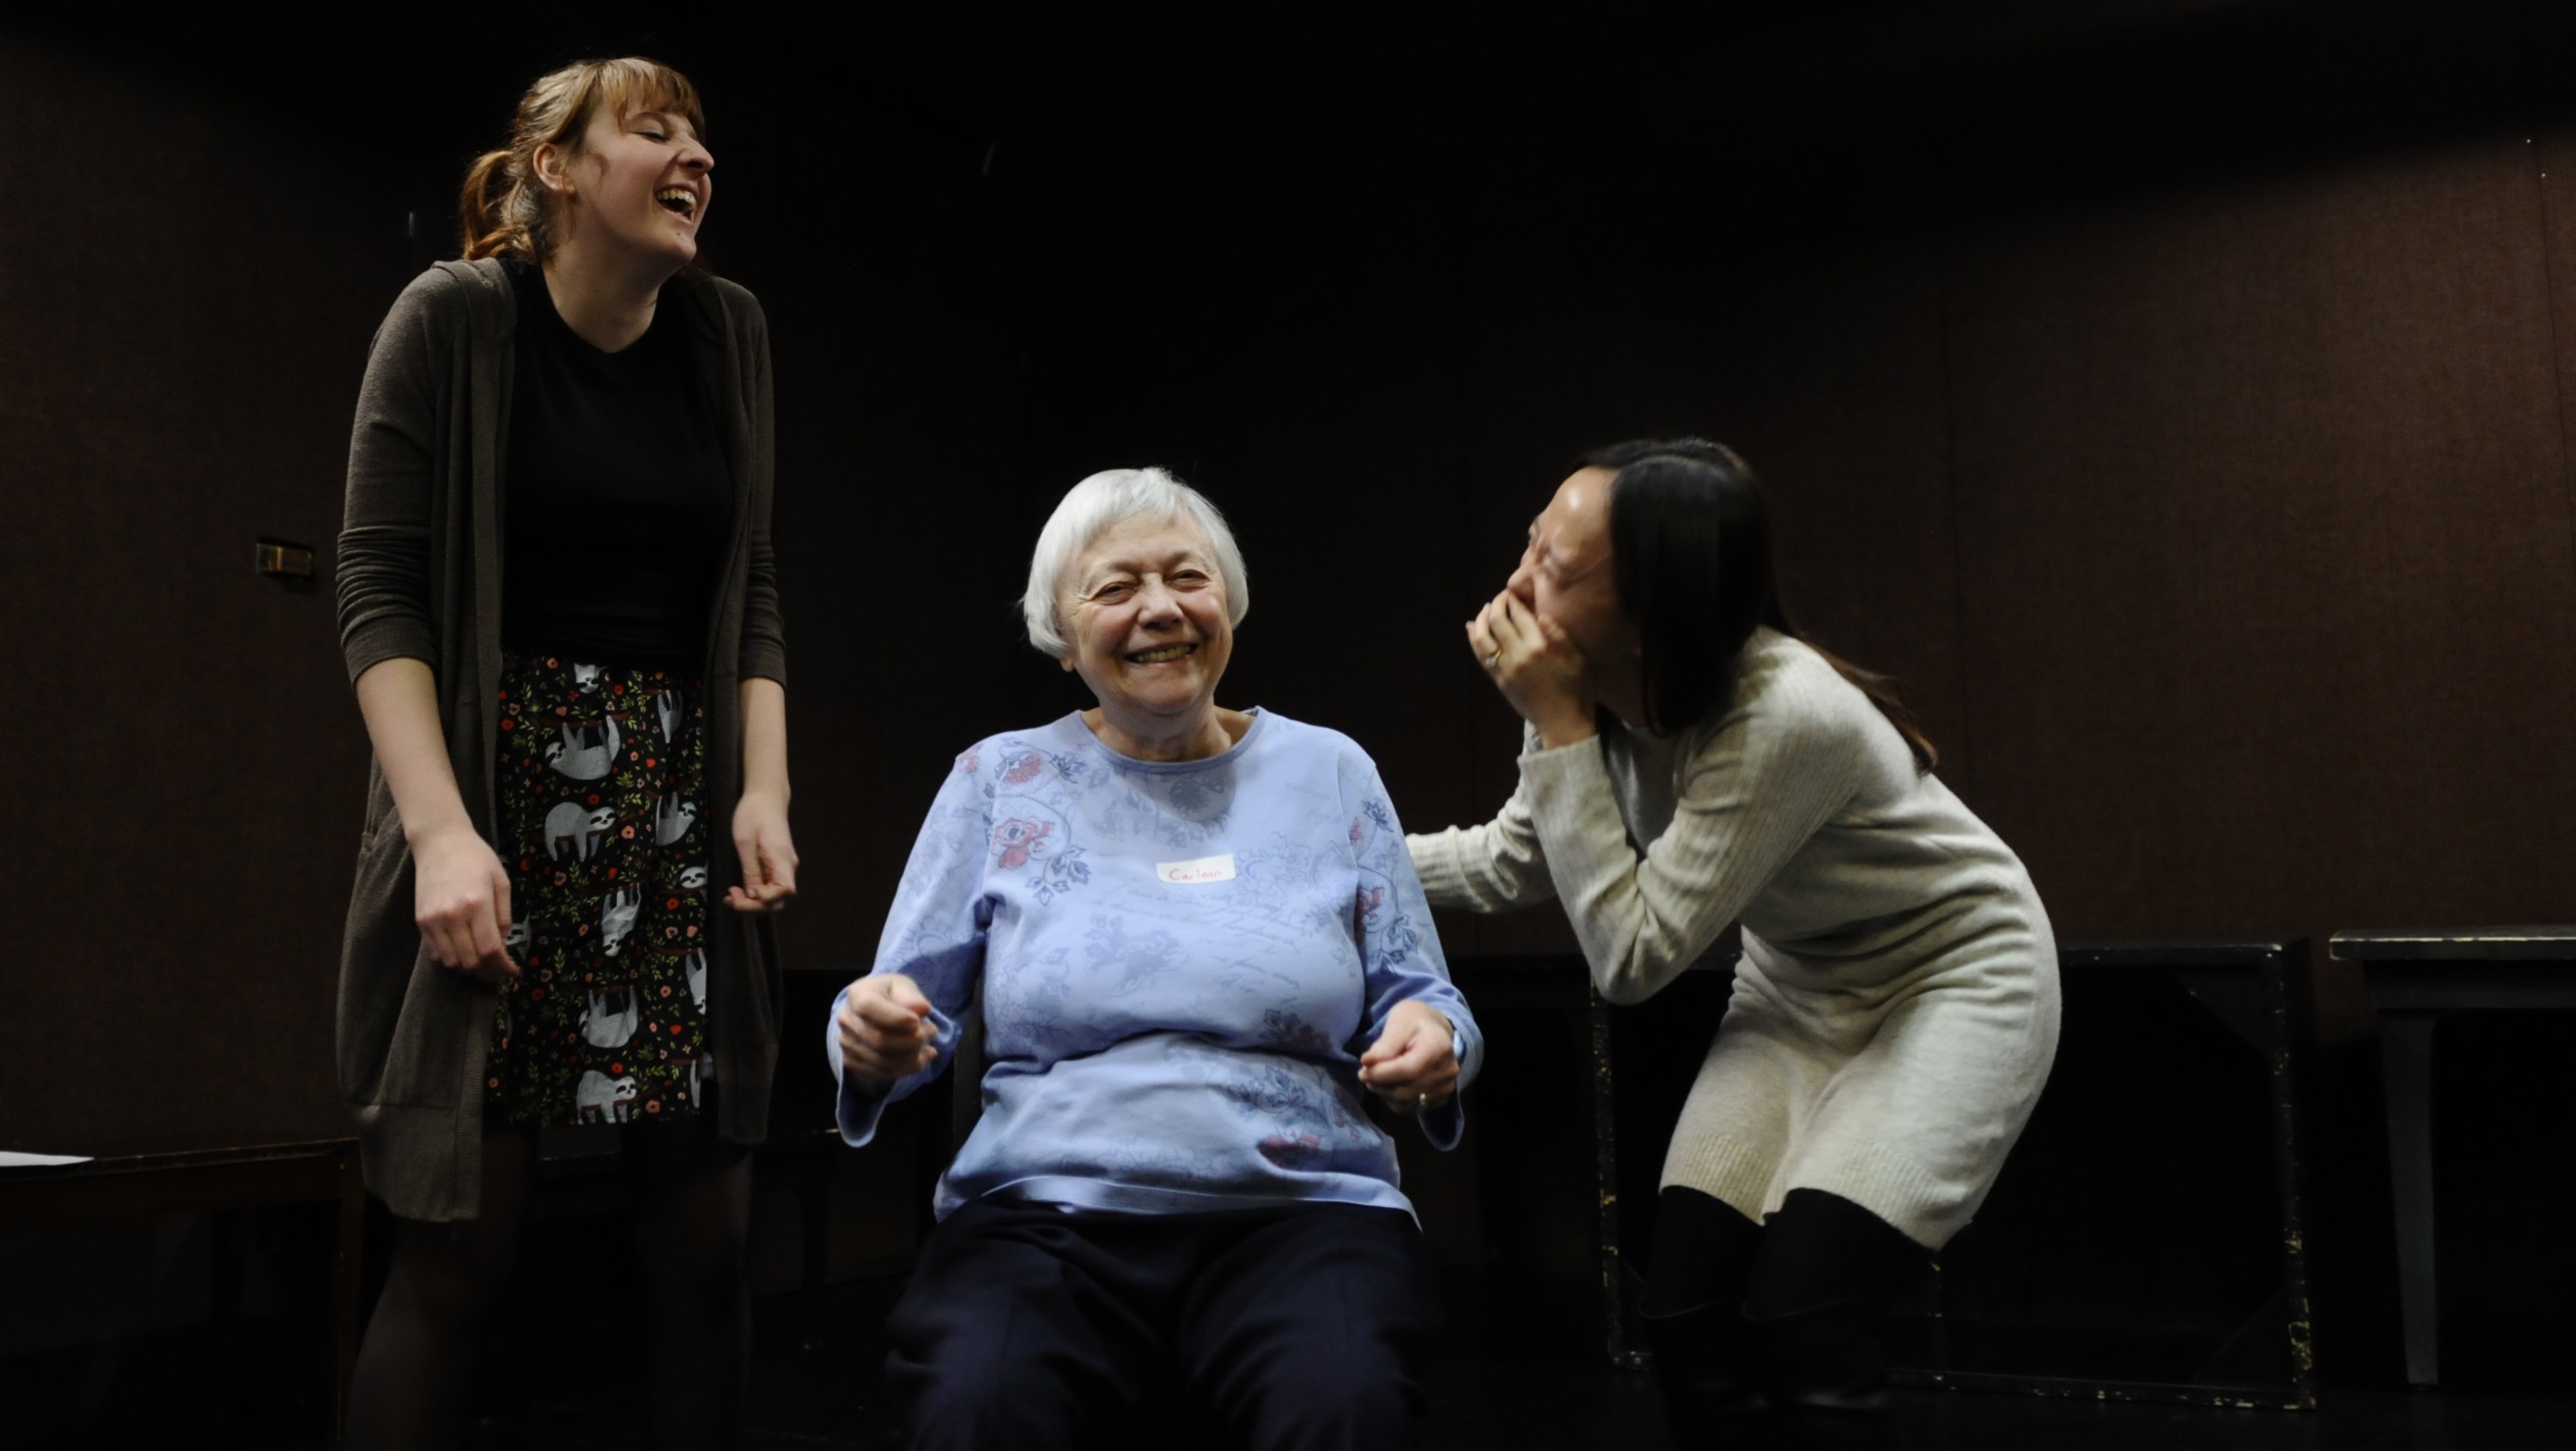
(2169, 393)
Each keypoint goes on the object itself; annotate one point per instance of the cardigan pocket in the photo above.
(380, 808)
(377, 950)
(404, 1021)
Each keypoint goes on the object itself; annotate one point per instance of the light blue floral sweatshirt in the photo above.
(1179, 965)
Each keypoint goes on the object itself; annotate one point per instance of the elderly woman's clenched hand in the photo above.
(885, 1030)
(1413, 1065)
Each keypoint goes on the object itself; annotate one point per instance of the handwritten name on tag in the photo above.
(1190, 873)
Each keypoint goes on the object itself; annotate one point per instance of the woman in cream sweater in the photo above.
(1690, 763)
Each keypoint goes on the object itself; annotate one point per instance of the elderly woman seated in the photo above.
(1198, 937)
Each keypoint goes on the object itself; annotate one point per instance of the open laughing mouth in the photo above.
(1162, 656)
(678, 200)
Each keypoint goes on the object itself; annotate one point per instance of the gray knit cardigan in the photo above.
(419, 575)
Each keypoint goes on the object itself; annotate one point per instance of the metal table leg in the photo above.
(1605, 1148)
(2406, 1063)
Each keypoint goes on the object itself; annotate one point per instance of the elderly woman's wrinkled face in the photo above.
(1146, 613)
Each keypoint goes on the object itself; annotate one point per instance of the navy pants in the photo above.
(1028, 1327)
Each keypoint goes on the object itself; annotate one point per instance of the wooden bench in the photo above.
(2178, 1057)
(2415, 978)
(226, 1183)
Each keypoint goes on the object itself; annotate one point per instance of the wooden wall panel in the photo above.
(1828, 377)
(2263, 531)
(188, 313)
(901, 541)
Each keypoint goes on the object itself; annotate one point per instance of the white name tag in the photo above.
(1205, 869)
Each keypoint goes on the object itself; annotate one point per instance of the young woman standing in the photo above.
(1689, 762)
(558, 607)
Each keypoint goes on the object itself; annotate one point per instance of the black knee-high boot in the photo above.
(1705, 1361)
(1824, 1379)
(1827, 1272)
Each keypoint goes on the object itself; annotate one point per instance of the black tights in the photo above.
(691, 1197)
(1819, 1250)
(1776, 1322)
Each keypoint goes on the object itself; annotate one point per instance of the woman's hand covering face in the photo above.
(1549, 636)
(1413, 1065)
(1537, 666)
(885, 1030)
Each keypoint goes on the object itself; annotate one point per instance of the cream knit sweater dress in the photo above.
(1895, 1011)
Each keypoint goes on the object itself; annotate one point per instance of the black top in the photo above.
(619, 505)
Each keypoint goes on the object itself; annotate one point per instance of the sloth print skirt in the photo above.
(602, 786)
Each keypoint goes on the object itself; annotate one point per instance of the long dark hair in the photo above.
(1690, 552)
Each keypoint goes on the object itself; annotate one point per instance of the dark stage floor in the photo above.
(827, 1395)
(1482, 1407)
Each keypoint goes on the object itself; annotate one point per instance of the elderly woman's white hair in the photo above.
(1101, 503)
